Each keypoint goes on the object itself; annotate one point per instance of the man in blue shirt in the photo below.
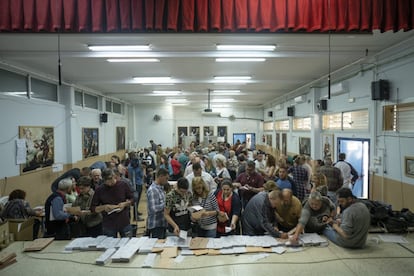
(156, 222)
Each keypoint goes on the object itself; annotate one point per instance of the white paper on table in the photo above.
(278, 249)
(227, 229)
(182, 234)
(179, 259)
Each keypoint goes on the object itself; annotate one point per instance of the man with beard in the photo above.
(351, 230)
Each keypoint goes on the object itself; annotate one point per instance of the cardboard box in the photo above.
(21, 229)
(4, 234)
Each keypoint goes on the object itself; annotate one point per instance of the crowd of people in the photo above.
(207, 192)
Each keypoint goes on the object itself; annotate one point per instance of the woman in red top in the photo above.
(176, 167)
(230, 209)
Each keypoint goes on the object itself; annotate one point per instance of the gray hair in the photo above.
(315, 195)
(65, 184)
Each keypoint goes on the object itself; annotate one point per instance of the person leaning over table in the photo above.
(315, 214)
(176, 211)
(259, 216)
(113, 199)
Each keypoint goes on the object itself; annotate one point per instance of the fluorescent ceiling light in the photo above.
(154, 80)
(133, 60)
(105, 48)
(227, 91)
(232, 77)
(240, 59)
(167, 93)
(176, 100)
(246, 47)
(229, 100)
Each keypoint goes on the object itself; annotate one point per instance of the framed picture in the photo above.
(195, 133)
(328, 145)
(305, 145)
(409, 166)
(90, 142)
(278, 141)
(40, 150)
(208, 131)
(120, 138)
(182, 132)
(222, 133)
(284, 144)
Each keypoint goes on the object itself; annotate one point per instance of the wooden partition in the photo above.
(37, 183)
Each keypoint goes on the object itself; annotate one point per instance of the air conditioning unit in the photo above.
(300, 99)
(209, 113)
(339, 88)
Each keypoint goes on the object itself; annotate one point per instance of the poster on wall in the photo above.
(40, 152)
(222, 133)
(284, 144)
(120, 138)
(182, 132)
(305, 146)
(328, 145)
(90, 142)
(195, 133)
(409, 166)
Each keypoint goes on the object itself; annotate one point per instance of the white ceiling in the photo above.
(299, 60)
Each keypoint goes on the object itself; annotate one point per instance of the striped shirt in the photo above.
(209, 204)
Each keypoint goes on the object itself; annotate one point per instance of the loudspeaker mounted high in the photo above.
(380, 90)
(103, 117)
(291, 111)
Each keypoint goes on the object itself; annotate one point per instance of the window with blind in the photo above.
(302, 123)
(113, 107)
(268, 126)
(351, 120)
(282, 125)
(399, 117)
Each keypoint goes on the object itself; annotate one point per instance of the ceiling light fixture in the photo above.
(167, 93)
(240, 59)
(106, 48)
(246, 47)
(172, 100)
(133, 60)
(232, 77)
(228, 100)
(154, 80)
(227, 91)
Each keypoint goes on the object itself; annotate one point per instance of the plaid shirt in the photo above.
(300, 177)
(155, 206)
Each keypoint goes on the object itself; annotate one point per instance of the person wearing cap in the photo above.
(351, 230)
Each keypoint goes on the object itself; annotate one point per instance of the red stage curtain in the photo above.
(206, 15)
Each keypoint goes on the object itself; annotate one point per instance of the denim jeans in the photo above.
(125, 232)
(331, 234)
(158, 232)
(207, 233)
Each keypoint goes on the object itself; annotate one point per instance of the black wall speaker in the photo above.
(380, 90)
(270, 114)
(322, 105)
(103, 118)
(291, 111)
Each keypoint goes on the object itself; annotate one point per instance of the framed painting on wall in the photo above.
(195, 133)
(409, 166)
(208, 131)
(40, 150)
(182, 132)
(328, 145)
(120, 138)
(90, 142)
(305, 146)
(221, 133)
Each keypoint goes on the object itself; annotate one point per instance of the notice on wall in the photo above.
(21, 151)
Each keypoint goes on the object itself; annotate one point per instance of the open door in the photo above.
(357, 153)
